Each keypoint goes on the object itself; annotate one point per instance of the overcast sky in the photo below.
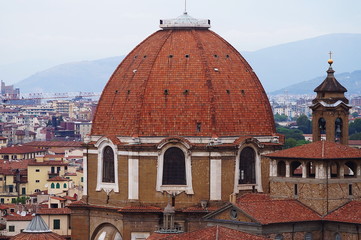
(51, 32)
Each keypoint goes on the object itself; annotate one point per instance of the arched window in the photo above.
(296, 169)
(52, 185)
(174, 172)
(350, 169)
(57, 185)
(64, 186)
(247, 166)
(311, 170)
(106, 231)
(334, 169)
(338, 130)
(281, 169)
(322, 125)
(108, 165)
(338, 236)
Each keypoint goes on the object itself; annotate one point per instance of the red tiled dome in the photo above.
(183, 82)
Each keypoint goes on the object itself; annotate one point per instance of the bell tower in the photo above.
(330, 110)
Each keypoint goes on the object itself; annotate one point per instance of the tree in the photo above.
(291, 133)
(290, 142)
(355, 127)
(280, 118)
(294, 137)
(356, 136)
(304, 124)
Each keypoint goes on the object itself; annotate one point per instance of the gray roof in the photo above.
(37, 225)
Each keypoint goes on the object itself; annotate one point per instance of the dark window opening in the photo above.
(199, 125)
(338, 130)
(350, 189)
(281, 169)
(311, 170)
(337, 236)
(350, 169)
(173, 201)
(334, 168)
(296, 169)
(108, 165)
(56, 223)
(308, 236)
(53, 205)
(174, 167)
(279, 237)
(247, 166)
(322, 125)
(296, 190)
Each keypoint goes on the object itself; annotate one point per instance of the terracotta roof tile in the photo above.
(70, 174)
(58, 179)
(38, 236)
(209, 233)
(20, 150)
(54, 144)
(278, 211)
(53, 211)
(15, 164)
(58, 198)
(319, 150)
(19, 218)
(199, 209)
(48, 163)
(140, 209)
(350, 213)
(70, 198)
(206, 88)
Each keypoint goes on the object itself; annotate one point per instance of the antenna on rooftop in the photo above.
(185, 6)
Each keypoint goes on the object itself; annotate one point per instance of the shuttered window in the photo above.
(174, 167)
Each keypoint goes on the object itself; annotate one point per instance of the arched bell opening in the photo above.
(338, 130)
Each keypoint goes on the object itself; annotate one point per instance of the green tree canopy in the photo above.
(280, 118)
(355, 127)
(304, 124)
(355, 136)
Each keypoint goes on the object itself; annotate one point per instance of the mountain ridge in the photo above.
(277, 66)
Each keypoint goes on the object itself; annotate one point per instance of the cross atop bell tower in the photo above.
(330, 109)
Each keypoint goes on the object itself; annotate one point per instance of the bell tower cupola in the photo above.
(330, 110)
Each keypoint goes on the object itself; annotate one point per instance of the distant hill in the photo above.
(351, 81)
(86, 76)
(276, 67)
(291, 63)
